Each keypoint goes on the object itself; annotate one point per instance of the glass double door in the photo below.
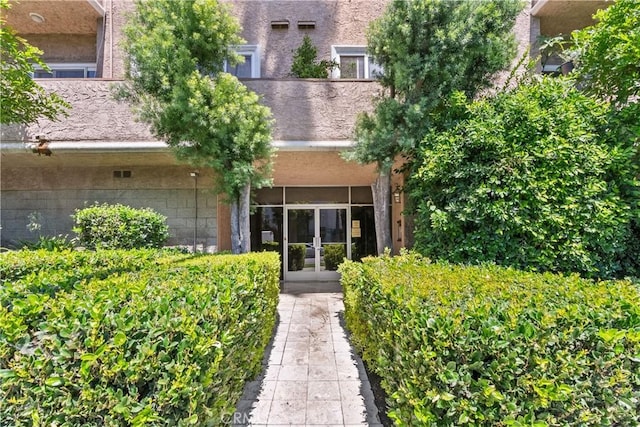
(316, 240)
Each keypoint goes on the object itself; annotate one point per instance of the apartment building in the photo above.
(100, 153)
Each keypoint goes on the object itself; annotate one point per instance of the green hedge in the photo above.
(139, 338)
(491, 346)
(297, 253)
(334, 254)
(120, 227)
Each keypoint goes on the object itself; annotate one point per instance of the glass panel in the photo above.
(333, 235)
(69, 74)
(242, 70)
(266, 229)
(301, 253)
(375, 70)
(361, 195)
(352, 67)
(311, 195)
(41, 74)
(269, 196)
(363, 232)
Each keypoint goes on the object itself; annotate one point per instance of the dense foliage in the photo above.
(22, 100)
(460, 49)
(540, 177)
(305, 63)
(609, 52)
(120, 227)
(113, 338)
(175, 56)
(491, 346)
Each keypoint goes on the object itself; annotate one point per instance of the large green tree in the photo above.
(176, 52)
(22, 100)
(608, 62)
(427, 49)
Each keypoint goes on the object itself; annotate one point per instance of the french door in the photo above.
(316, 241)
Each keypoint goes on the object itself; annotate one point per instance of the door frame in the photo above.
(317, 274)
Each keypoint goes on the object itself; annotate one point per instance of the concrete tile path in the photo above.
(312, 377)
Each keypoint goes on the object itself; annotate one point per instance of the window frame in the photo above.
(66, 66)
(354, 50)
(252, 50)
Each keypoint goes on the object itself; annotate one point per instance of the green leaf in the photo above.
(119, 339)
(54, 381)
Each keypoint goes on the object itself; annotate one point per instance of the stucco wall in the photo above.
(315, 109)
(303, 110)
(337, 22)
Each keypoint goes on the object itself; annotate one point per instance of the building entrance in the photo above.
(314, 228)
(316, 239)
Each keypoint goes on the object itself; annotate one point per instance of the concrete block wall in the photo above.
(54, 187)
(56, 207)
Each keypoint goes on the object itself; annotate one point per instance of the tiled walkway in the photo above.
(311, 376)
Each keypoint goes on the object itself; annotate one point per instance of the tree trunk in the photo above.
(244, 224)
(381, 190)
(240, 224)
(235, 226)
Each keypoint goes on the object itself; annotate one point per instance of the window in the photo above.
(250, 68)
(353, 63)
(66, 71)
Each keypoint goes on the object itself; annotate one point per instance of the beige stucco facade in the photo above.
(84, 154)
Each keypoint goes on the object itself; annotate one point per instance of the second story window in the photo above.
(353, 63)
(250, 68)
(66, 71)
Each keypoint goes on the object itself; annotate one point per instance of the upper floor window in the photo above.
(66, 71)
(250, 68)
(353, 63)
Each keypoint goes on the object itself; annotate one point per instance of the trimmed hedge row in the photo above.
(154, 339)
(491, 346)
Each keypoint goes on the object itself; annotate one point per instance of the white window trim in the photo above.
(350, 50)
(252, 50)
(86, 66)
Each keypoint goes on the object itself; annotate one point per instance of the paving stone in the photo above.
(324, 412)
(293, 373)
(288, 412)
(323, 372)
(311, 375)
(323, 390)
(291, 390)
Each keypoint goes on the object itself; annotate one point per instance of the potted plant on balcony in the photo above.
(305, 62)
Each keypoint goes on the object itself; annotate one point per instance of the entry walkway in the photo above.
(312, 376)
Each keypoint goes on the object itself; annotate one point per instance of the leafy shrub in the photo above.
(271, 246)
(120, 227)
(334, 254)
(488, 345)
(170, 343)
(50, 243)
(541, 177)
(297, 253)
